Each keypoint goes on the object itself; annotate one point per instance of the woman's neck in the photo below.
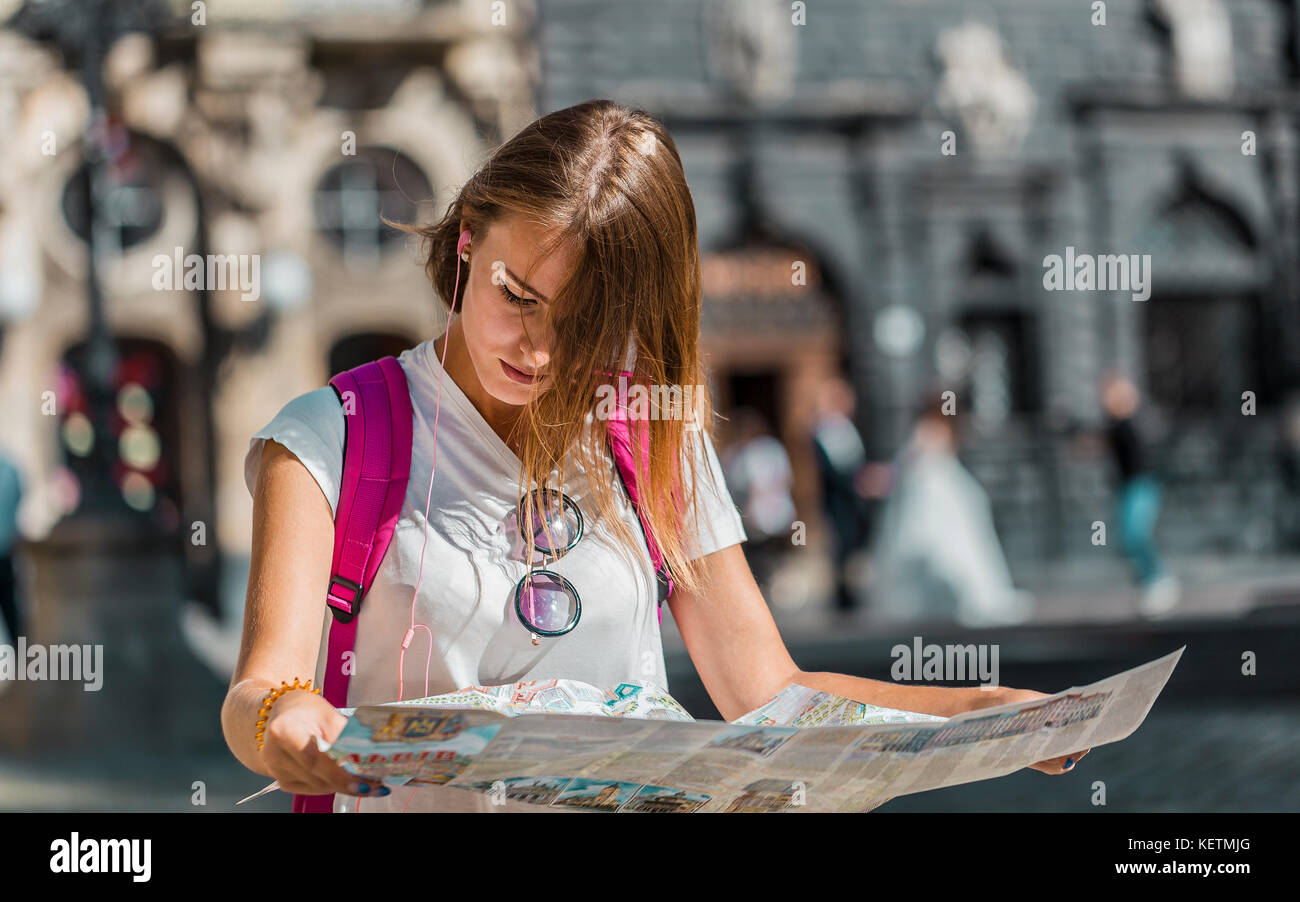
(501, 417)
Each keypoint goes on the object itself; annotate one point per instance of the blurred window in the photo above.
(355, 350)
(143, 430)
(128, 197)
(1001, 368)
(1202, 350)
(352, 196)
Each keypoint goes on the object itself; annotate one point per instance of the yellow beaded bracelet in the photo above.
(267, 702)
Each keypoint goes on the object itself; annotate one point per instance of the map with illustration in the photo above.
(632, 748)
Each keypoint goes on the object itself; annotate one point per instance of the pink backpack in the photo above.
(376, 467)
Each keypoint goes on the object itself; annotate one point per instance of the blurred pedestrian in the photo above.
(936, 552)
(759, 477)
(1139, 495)
(11, 493)
(1289, 461)
(841, 461)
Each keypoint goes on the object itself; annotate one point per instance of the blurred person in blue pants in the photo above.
(11, 493)
(1139, 498)
(1289, 463)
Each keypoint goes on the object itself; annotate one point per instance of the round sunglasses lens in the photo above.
(560, 518)
(545, 603)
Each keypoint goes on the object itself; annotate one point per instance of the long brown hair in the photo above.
(606, 181)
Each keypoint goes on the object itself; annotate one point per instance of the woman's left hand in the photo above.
(1009, 696)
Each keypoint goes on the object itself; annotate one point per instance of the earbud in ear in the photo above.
(462, 244)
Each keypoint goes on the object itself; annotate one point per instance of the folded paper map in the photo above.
(562, 743)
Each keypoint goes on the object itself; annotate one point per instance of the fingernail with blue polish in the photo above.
(360, 788)
(1069, 763)
(383, 791)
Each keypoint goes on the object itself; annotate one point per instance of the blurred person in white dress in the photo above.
(936, 553)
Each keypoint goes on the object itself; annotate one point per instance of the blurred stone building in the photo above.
(276, 130)
(926, 158)
(914, 163)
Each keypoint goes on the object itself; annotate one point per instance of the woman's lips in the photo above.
(519, 375)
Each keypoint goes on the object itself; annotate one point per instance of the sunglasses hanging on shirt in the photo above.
(546, 603)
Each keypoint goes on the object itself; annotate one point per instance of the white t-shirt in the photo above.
(471, 567)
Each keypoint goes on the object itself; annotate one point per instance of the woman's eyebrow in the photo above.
(525, 286)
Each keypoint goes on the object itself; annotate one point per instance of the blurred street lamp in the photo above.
(84, 31)
(286, 281)
(898, 330)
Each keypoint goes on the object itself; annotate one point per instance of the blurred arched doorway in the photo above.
(363, 347)
(145, 433)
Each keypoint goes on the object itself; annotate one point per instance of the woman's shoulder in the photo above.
(313, 428)
(320, 409)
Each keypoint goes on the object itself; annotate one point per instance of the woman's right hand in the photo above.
(289, 750)
(289, 571)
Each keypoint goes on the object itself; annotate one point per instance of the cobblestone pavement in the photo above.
(1064, 593)
(1184, 758)
(138, 783)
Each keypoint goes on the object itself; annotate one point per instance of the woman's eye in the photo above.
(514, 298)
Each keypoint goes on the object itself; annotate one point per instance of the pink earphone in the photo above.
(461, 244)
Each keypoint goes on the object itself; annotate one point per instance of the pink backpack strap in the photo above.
(376, 467)
(620, 445)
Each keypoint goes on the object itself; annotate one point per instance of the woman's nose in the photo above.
(536, 356)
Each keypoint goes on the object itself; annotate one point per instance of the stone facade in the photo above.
(260, 132)
(934, 154)
(923, 158)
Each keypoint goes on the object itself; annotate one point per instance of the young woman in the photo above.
(582, 262)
